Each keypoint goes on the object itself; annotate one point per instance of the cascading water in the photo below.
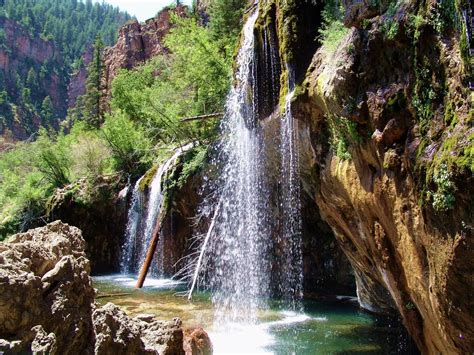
(291, 282)
(237, 249)
(134, 218)
(241, 237)
(139, 230)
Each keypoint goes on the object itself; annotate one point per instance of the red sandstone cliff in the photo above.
(137, 43)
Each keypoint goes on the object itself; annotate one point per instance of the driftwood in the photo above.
(202, 117)
(149, 254)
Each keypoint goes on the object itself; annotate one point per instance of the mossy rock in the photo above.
(148, 178)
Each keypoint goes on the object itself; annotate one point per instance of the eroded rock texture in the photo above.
(385, 127)
(47, 297)
(47, 303)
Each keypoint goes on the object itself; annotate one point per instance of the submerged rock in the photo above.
(47, 303)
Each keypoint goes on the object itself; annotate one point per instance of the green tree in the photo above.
(32, 80)
(93, 114)
(225, 18)
(47, 111)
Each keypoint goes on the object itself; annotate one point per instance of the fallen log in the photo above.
(202, 117)
(149, 254)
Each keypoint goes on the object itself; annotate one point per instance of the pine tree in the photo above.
(32, 80)
(47, 111)
(92, 112)
(225, 17)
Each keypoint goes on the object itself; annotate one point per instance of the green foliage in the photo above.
(47, 111)
(92, 113)
(443, 197)
(332, 31)
(423, 93)
(53, 160)
(192, 80)
(130, 147)
(30, 172)
(72, 26)
(225, 19)
(343, 135)
(444, 16)
(22, 186)
(193, 163)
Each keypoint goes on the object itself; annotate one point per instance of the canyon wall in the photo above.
(386, 135)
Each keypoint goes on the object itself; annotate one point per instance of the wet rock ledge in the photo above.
(47, 304)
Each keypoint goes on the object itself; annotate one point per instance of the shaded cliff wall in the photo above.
(100, 211)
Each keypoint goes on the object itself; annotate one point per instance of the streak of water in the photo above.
(291, 282)
(134, 218)
(240, 248)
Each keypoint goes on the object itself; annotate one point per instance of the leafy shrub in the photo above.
(332, 31)
(131, 148)
(53, 158)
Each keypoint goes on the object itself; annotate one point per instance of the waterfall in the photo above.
(241, 237)
(134, 217)
(140, 225)
(291, 280)
(243, 234)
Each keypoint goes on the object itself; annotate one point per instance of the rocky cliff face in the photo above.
(386, 125)
(137, 43)
(47, 304)
(77, 83)
(19, 52)
(100, 212)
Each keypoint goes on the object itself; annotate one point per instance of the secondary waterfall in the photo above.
(134, 218)
(142, 221)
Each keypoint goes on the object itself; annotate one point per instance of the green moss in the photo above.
(443, 198)
(450, 116)
(193, 163)
(148, 178)
(343, 136)
(189, 164)
(366, 24)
